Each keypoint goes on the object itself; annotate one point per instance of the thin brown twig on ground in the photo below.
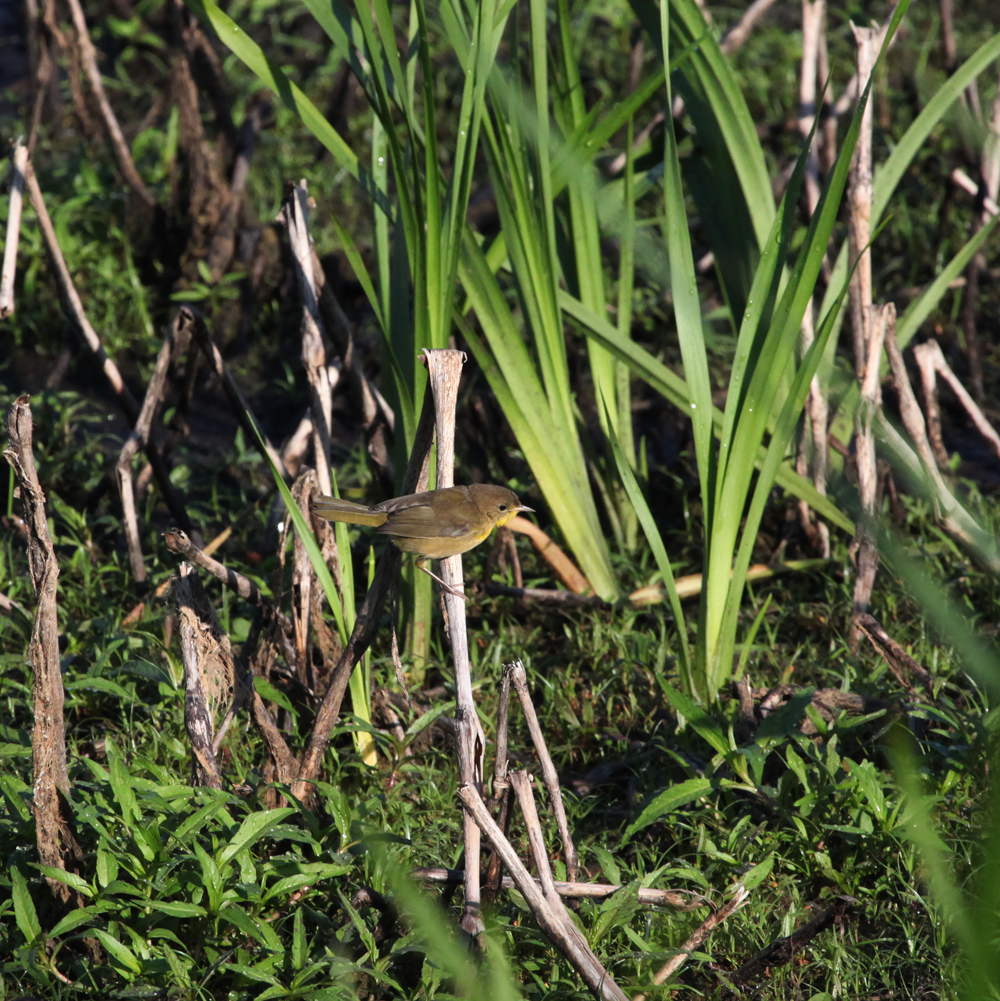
(694, 941)
(930, 359)
(781, 951)
(53, 827)
(684, 900)
(899, 661)
(520, 682)
(18, 164)
(177, 337)
(89, 57)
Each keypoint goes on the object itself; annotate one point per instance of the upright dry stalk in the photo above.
(209, 671)
(990, 170)
(53, 831)
(865, 542)
(868, 41)
(813, 16)
(550, 776)
(444, 368)
(19, 164)
(176, 340)
(294, 216)
(549, 911)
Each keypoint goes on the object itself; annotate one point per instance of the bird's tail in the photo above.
(335, 509)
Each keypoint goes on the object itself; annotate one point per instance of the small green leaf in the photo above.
(119, 952)
(755, 876)
(668, 800)
(252, 829)
(24, 908)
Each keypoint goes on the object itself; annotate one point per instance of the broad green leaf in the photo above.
(669, 800)
(253, 828)
(25, 914)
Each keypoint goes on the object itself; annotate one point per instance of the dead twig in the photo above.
(899, 661)
(549, 911)
(444, 370)
(931, 361)
(551, 777)
(781, 951)
(865, 545)
(53, 827)
(294, 216)
(177, 338)
(209, 673)
(89, 56)
(18, 165)
(684, 900)
(738, 899)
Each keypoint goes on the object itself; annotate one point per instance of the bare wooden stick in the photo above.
(294, 216)
(865, 543)
(783, 949)
(960, 178)
(53, 828)
(684, 900)
(738, 899)
(368, 617)
(520, 681)
(18, 164)
(200, 639)
(178, 335)
(989, 161)
(71, 300)
(178, 542)
(500, 793)
(924, 357)
(550, 914)
(444, 369)
(929, 355)
(813, 16)
(868, 41)
(900, 662)
(89, 55)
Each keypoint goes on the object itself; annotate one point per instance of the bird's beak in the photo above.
(523, 507)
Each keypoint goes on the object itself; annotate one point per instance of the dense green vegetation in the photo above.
(882, 819)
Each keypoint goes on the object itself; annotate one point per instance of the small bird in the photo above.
(434, 524)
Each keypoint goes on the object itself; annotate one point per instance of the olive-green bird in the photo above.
(434, 524)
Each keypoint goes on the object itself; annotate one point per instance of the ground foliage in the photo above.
(188, 893)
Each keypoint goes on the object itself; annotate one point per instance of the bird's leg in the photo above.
(422, 564)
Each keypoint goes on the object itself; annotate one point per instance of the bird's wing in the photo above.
(419, 520)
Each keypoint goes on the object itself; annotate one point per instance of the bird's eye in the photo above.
(503, 507)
